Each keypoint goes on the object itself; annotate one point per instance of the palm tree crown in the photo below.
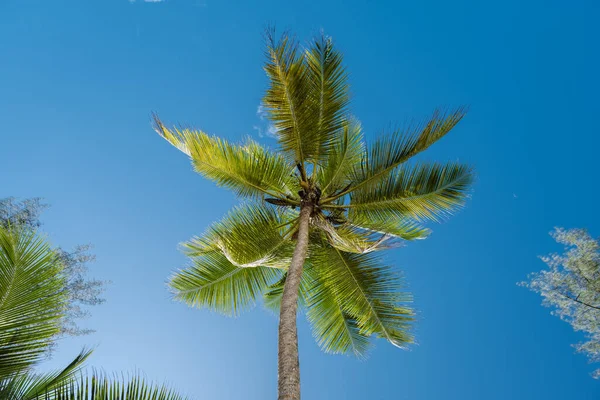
(361, 198)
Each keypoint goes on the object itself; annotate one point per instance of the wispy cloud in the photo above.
(266, 128)
(148, 1)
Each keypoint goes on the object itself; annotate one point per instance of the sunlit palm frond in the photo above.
(327, 79)
(344, 154)
(369, 292)
(213, 282)
(27, 385)
(381, 159)
(101, 387)
(32, 298)
(249, 170)
(250, 235)
(400, 228)
(349, 238)
(287, 98)
(334, 329)
(421, 192)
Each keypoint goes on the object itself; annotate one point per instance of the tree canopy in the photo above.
(571, 287)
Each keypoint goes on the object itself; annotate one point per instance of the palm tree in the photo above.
(33, 303)
(316, 211)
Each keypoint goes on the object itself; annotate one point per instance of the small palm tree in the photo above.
(316, 211)
(33, 303)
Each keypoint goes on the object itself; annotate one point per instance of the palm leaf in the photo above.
(249, 170)
(328, 84)
(369, 292)
(250, 235)
(215, 283)
(31, 386)
(424, 191)
(346, 152)
(99, 387)
(387, 153)
(335, 330)
(349, 238)
(286, 98)
(32, 298)
(400, 228)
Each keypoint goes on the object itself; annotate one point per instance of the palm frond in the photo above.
(334, 329)
(400, 228)
(344, 154)
(215, 283)
(33, 386)
(349, 238)
(249, 170)
(307, 97)
(101, 387)
(421, 192)
(250, 235)
(369, 293)
(286, 98)
(32, 298)
(390, 151)
(328, 82)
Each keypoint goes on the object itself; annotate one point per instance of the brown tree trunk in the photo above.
(289, 365)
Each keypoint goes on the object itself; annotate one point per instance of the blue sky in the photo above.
(78, 80)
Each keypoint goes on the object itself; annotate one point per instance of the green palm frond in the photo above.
(387, 153)
(400, 228)
(287, 97)
(349, 238)
(307, 96)
(32, 298)
(328, 83)
(249, 170)
(27, 385)
(345, 153)
(335, 330)
(215, 283)
(369, 292)
(421, 192)
(101, 387)
(249, 236)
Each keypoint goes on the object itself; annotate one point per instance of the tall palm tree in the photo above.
(33, 302)
(316, 211)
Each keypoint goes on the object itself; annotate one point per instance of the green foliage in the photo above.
(369, 293)
(99, 387)
(250, 170)
(32, 298)
(249, 236)
(365, 198)
(214, 282)
(420, 192)
(82, 291)
(33, 304)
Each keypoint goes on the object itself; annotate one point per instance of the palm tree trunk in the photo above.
(289, 365)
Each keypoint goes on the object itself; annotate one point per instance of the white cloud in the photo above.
(260, 111)
(148, 1)
(270, 130)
